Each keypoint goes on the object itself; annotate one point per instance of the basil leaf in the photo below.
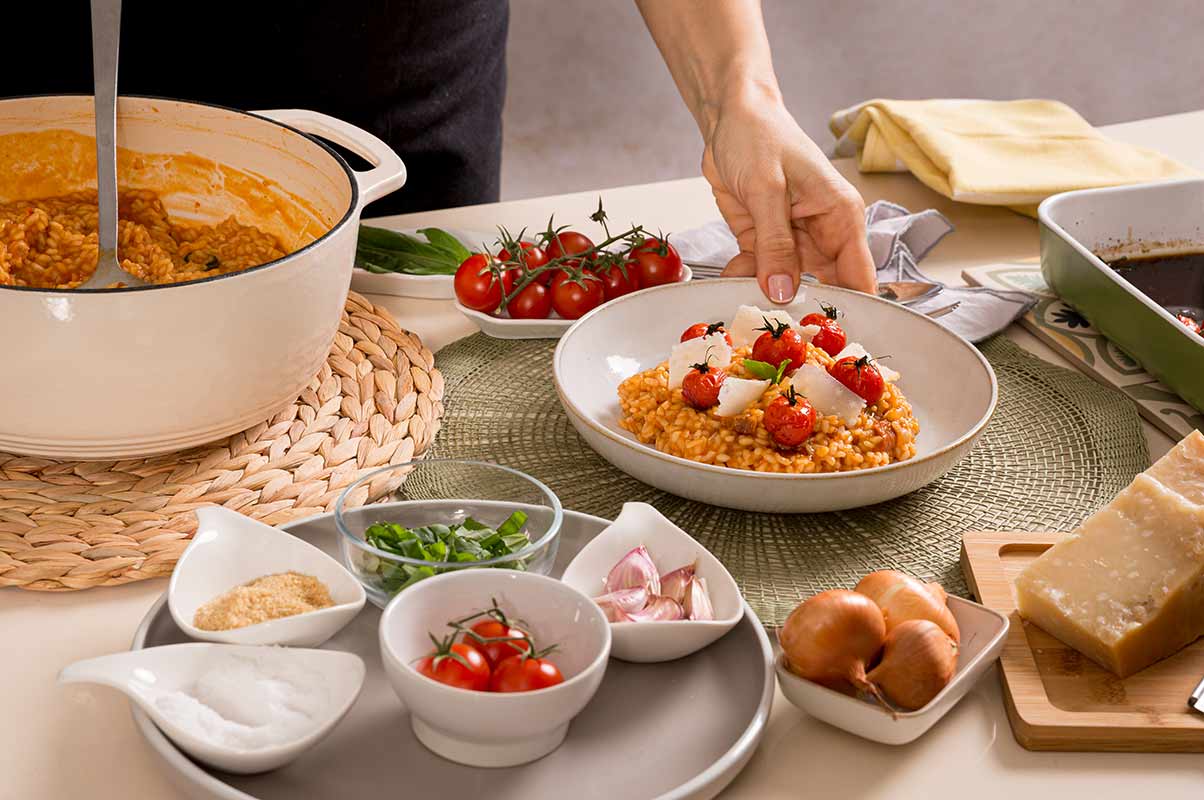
(472, 525)
(513, 524)
(447, 243)
(760, 369)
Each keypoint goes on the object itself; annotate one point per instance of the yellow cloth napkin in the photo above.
(1012, 153)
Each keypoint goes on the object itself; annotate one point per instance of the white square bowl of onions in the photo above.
(665, 594)
(888, 660)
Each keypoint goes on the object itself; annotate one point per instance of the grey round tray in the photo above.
(681, 729)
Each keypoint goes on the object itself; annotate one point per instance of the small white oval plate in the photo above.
(427, 287)
(230, 549)
(144, 675)
(983, 631)
(670, 548)
(551, 328)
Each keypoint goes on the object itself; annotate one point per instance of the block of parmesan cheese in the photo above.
(1127, 588)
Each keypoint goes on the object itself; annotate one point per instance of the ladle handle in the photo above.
(106, 35)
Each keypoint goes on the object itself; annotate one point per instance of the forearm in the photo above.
(716, 50)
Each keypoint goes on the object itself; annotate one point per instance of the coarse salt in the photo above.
(248, 702)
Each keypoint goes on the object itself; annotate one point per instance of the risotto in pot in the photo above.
(51, 243)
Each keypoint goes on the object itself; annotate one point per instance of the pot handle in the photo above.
(388, 172)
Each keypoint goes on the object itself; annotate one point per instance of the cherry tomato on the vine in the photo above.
(568, 243)
(509, 642)
(658, 262)
(476, 285)
(532, 255)
(572, 298)
(523, 674)
(533, 302)
(617, 280)
(460, 665)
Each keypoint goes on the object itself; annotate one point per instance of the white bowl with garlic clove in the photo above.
(653, 602)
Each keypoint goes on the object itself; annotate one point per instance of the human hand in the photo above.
(790, 210)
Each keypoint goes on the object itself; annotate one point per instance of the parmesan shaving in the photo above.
(829, 396)
(712, 350)
(737, 394)
(857, 351)
(749, 318)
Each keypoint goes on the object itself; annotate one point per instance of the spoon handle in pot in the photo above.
(106, 35)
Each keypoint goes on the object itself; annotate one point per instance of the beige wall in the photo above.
(591, 104)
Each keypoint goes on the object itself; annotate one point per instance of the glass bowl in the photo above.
(419, 494)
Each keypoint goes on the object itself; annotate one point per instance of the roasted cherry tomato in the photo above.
(701, 329)
(523, 674)
(497, 641)
(618, 278)
(860, 376)
(1191, 324)
(658, 262)
(460, 665)
(533, 302)
(789, 419)
(831, 337)
(568, 243)
(476, 285)
(779, 343)
(700, 387)
(572, 298)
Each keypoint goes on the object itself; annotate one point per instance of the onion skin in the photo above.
(918, 660)
(832, 637)
(903, 598)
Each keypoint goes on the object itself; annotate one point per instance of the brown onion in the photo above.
(902, 598)
(918, 660)
(832, 638)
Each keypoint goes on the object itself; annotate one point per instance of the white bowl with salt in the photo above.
(239, 709)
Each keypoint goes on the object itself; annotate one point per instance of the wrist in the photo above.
(739, 89)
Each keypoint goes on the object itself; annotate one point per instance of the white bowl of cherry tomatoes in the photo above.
(493, 664)
(535, 289)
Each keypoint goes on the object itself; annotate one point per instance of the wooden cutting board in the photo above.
(1057, 699)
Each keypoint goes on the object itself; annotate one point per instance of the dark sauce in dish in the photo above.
(1174, 281)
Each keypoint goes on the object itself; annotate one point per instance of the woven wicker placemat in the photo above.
(377, 400)
(1059, 447)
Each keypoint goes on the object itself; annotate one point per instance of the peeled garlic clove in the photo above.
(675, 583)
(634, 571)
(659, 609)
(618, 604)
(698, 601)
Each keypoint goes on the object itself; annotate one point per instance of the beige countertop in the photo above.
(75, 743)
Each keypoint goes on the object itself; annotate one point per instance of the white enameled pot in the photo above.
(119, 373)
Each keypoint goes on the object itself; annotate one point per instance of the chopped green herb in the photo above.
(468, 541)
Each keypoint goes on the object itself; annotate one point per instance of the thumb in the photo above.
(775, 250)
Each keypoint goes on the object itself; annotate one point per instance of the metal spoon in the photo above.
(902, 292)
(106, 35)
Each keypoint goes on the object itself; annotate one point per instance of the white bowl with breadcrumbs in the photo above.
(949, 384)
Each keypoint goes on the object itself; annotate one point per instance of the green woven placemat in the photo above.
(1059, 447)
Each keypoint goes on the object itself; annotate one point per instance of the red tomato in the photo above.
(477, 287)
(568, 243)
(496, 652)
(461, 666)
(532, 256)
(701, 329)
(521, 674)
(572, 299)
(614, 282)
(658, 261)
(1189, 323)
(831, 337)
(778, 343)
(789, 419)
(533, 302)
(860, 376)
(700, 387)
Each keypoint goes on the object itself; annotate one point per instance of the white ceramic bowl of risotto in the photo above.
(119, 373)
(949, 384)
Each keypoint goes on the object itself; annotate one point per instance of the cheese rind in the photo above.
(1126, 589)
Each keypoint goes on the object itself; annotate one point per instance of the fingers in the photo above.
(743, 265)
(855, 266)
(777, 259)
